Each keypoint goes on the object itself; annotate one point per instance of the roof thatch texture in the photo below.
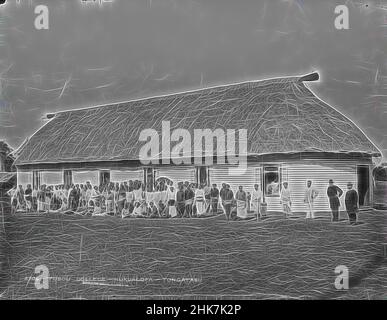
(6, 176)
(280, 115)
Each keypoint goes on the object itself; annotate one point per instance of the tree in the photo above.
(6, 157)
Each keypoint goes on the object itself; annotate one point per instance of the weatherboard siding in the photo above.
(83, 176)
(221, 174)
(177, 174)
(51, 177)
(24, 178)
(126, 175)
(297, 175)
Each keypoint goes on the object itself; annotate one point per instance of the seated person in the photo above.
(153, 212)
(163, 210)
(97, 211)
(125, 211)
(137, 210)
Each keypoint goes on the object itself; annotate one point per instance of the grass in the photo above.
(107, 258)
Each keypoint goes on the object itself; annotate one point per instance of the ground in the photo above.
(107, 258)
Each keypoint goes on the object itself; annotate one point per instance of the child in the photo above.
(153, 212)
(163, 210)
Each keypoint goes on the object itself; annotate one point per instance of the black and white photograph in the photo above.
(180, 150)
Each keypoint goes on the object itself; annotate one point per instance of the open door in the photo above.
(363, 185)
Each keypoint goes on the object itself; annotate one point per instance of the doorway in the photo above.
(104, 177)
(363, 185)
(202, 177)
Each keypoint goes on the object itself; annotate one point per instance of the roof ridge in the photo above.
(253, 83)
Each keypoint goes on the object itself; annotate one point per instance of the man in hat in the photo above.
(227, 201)
(214, 198)
(351, 203)
(334, 193)
(241, 199)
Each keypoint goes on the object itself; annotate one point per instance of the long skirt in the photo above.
(286, 207)
(180, 208)
(41, 206)
(241, 209)
(120, 205)
(201, 208)
(109, 206)
(256, 206)
(214, 205)
(28, 205)
(172, 211)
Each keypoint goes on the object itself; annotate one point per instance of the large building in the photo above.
(292, 136)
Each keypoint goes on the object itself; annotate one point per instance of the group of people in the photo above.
(129, 199)
(334, 194)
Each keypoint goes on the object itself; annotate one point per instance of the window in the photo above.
(272, 181)
(67, 178)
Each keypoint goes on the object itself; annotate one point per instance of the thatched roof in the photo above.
(281, 115)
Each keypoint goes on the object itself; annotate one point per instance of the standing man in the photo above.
(286, 200)
(310, 195)
(227, 201)
(241, 198)
(214, 198)
(256, 197)
(189, 199)
(28, 198)
(351, 203)
(334, 193)
(180, 201)
(222, 195)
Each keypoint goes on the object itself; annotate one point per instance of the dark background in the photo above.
(128, 49)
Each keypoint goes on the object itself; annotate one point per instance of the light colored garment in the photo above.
(241, 209)
(129, 196)
(109, 206)
(156, 197)
(164, 196)
(199, 200)
(149, 197)
(256, 197)
(286, 201)
(138, 195)
(171, 195)
(41, 206)
(172, 211)
(309, 197)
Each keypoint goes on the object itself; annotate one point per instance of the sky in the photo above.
(97, 54)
